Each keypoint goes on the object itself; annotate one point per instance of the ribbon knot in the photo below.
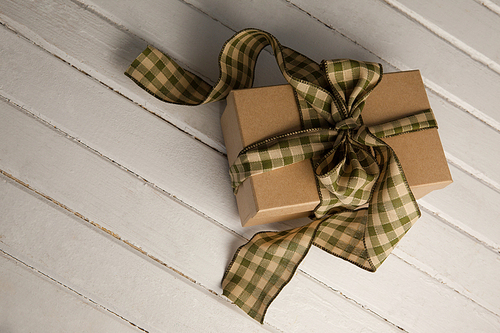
(349, 172)
(353, 166)
(346, 124)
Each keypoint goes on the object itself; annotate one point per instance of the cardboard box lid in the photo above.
(421, 152)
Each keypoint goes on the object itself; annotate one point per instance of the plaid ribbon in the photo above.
(354, 168)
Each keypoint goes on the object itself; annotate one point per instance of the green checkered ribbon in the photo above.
(365, 205)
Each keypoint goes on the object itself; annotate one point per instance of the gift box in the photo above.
(291, 192)
(354, 167)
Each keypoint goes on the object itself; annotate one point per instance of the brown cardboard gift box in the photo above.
(255, 114)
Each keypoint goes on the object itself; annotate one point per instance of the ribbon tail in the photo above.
(367, 236)
(392, 210)
(163, 78)
(261, 268)
(343, 234)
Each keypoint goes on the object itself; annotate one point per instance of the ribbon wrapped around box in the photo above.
(365, 204)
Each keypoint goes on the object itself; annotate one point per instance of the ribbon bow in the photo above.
(353, 166)
(343, 164)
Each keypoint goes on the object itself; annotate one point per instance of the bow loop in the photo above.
(351, 82)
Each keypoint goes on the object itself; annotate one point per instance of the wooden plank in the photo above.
(460, 21)
(139, 285)
(146, 218)
(31, 302)
(87, 32)
(96, 136)
(454, 261)
(475, 54)
(239, 15)
(451, 119)
(105, 270)
(289, 25)
(104, 50)
(95, 120)
(101, 112)
(467, 139)
(468, 205)
(405, 306)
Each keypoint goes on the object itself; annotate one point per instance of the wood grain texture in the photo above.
(140, 216)
(451, 120)
(104, 50)
(152, 156)
(451, 20)
(48, 30)
(114, 160)
(124, 213)
(69, 250)
(30, 301)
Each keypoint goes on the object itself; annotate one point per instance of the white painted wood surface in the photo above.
(116, 212)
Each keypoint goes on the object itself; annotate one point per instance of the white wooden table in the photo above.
(116, 212)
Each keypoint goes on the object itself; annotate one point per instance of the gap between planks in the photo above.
(429, 271)
(38, 272)
(458, 44)
(447, 37)
(399, 254)
(460, 227)
(473, 172)
(353, 300)
(490, 5)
